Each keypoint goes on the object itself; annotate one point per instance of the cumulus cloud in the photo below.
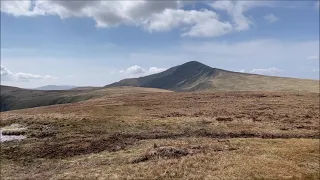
(17, 8)
(267, 71)
(153, 16)
(7, 75)
(271, 18)
(313, 57)
(134, 70)
(203, 23)
(137, 71)
(154, 70)
(237, 9)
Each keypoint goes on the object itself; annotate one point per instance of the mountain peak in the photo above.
(180, 78)
(193, 63)
(195, 66)
(196, 76)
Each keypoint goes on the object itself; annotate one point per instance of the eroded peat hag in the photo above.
(168, 135)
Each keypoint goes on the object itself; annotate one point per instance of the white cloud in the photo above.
(105, 13)
(154, 16)
(317, 5)
(236, 10)
(137, 71)
(268, 71)
(313, 57)
(271, 18)
(154, 70)
(7, 75)
(202, 23)
(151, 15)
(17, 8)
(134, 70)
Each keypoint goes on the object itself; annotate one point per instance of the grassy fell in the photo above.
(247, 135)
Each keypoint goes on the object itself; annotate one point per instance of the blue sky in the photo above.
(94, 43)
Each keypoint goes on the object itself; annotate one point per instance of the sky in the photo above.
(95, 43)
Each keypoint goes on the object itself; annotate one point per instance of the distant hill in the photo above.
(55, 87)
(195, 76)
(12, 98)
(86, 88)
(18, 98)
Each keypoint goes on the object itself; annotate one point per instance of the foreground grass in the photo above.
(248, 135)
(247, 159)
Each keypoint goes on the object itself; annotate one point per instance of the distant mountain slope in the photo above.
(234, 81)
(55, 87)
(195, 76)
(16, 98)
(86, 88)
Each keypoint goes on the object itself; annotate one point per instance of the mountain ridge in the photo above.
(195, 76)
(12, 98)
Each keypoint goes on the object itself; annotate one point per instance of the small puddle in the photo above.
(15, 129)
(4, 138)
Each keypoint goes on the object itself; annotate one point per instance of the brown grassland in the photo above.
(168, 135)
